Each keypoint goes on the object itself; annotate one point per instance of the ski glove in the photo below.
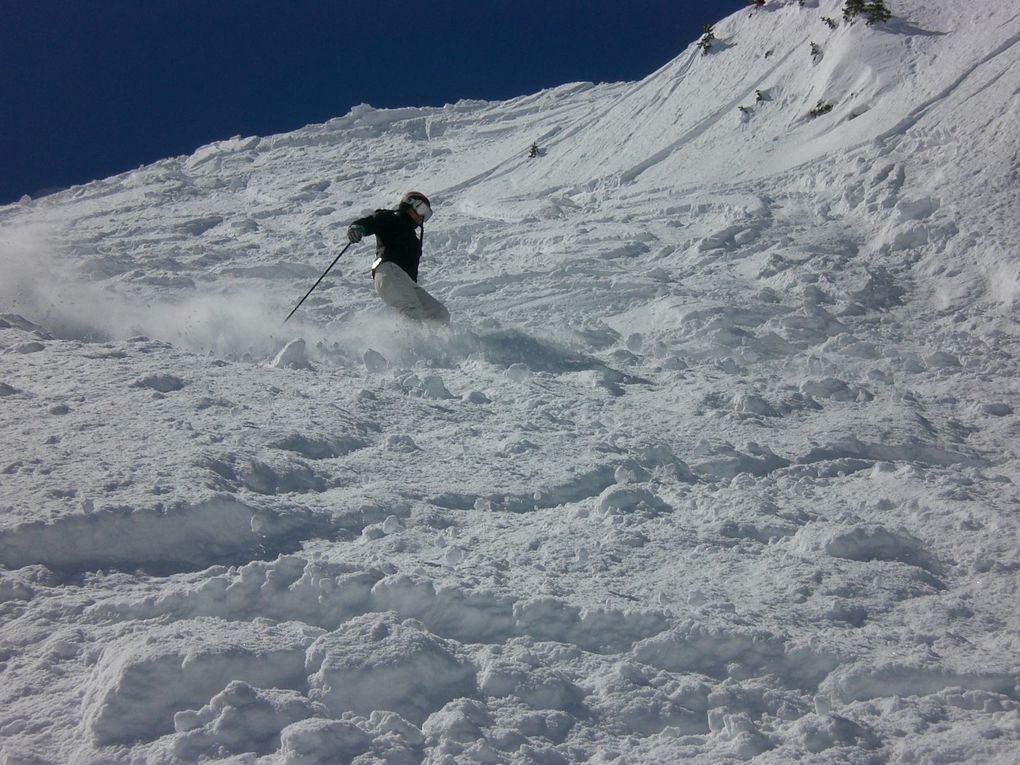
(355, 233)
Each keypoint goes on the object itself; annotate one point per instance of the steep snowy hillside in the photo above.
(717, 462)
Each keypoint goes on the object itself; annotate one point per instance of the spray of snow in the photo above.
(239, 321)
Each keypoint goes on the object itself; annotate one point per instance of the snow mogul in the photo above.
(398, 251)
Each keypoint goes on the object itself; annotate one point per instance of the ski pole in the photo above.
(317, 282)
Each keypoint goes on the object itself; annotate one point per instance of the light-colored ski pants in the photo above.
(400, 291)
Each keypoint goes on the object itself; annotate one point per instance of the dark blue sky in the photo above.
(90, 88)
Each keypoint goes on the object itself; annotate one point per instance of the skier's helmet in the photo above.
(419, 202)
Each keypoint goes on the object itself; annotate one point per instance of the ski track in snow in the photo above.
(717, 462)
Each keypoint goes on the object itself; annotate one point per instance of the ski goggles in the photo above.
(421, 207)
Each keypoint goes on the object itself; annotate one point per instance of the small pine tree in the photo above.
(876, 12)
(707, 38)
(822, 107)
(816, 51)
(830, 22)
(852, 9)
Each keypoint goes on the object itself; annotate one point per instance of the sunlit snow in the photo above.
(717, 461)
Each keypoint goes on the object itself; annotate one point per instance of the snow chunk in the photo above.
(322, 742)
(374, 361)
(942, 360)
(448, 611)
(198, 226)
(881, 292)
(314, 448)
(596, 630)
(139, 683)
(401, 443)
(280, 476)
(997, 409)
(816, 733)
(724, 462)
(240, 719)
(292, 356)
(835, 389)
(917, 209)
(516, 673)
(753, 405)
(912, 676)
(378, 662)
(433, 387)
(461, 720)
(637, 698)
(185, 538)
(863, 542)
(164, 383)
(623, 499)
(518, 372)
(734, 651)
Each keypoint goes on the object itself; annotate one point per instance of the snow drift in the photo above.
(717, 462)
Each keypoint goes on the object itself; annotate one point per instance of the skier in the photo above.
(398, 250)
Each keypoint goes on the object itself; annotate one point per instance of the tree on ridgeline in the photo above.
(876, 12)
(822, 107)
(707, 38)
(852, 9)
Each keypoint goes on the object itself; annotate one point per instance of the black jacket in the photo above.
(395, 238)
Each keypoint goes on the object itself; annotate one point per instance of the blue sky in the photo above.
(91, 89)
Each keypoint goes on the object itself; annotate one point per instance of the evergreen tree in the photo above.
(852, 9)
(876, 12)
(822, 107)
(707, 38)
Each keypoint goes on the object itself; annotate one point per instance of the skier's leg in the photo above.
(432, 309)
(398, 290)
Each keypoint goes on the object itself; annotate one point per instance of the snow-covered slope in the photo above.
(717, 462)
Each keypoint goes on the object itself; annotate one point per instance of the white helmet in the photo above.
(419, 202)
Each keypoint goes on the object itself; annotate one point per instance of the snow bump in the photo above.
(189, 663)
(381, 662)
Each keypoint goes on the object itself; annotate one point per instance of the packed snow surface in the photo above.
(717, 461)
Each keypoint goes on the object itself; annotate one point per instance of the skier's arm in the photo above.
(361, 227)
